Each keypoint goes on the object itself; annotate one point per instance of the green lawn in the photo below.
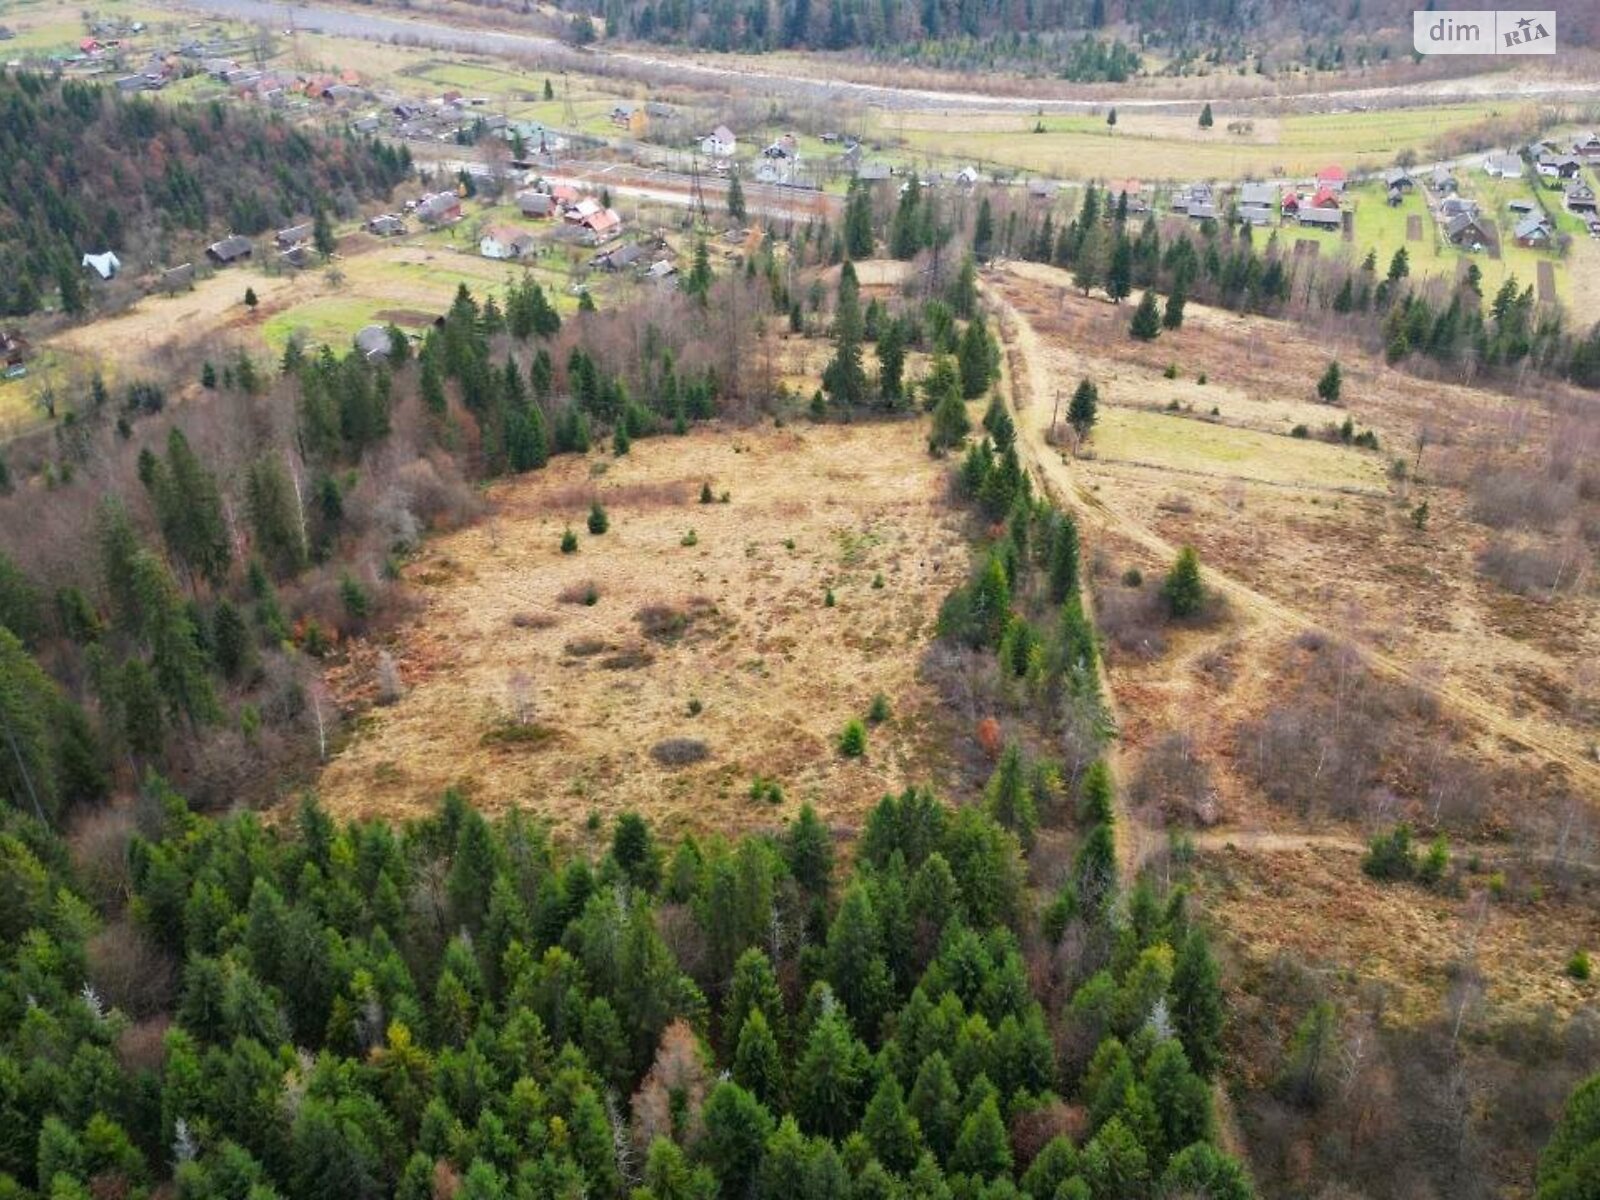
(1187, 444)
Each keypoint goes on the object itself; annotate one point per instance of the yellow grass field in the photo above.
(741, 627)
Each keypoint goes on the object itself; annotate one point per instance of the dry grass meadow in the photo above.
(521, 694)
(1345, 636)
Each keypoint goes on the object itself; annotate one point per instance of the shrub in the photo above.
(679, 752)
(1201, 379)
(1133, 577)
(989, 737)
(1300, 431)
(705, 493)
(598, 521)
(763, 789)
(878, 713)
(1171, 372)
(689, 539)
(853, 741)
(586, 593)
(1578, 965)
(569, 542)
(695, 707)
(827, 599)
(1389, 855)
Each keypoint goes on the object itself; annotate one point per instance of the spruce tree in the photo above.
(736, 208)
(1146, 324)
(598, 521)
(1083, 410)
(1331, 384)
(1182, 590)
(975, 359)
(1206, 119)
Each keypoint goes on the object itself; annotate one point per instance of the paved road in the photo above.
(375, 26)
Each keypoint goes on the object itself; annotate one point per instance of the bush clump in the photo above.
(853, 741)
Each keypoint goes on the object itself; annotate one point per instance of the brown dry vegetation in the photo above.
(566, 709)
(1366, 672)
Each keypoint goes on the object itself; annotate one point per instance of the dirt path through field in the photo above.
(1269, 615)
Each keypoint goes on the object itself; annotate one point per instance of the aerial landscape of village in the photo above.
(818, 599)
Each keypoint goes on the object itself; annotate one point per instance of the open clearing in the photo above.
(741, 626)
(1491, 680)
(1151, 145)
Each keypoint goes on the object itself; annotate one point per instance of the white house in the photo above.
(719, 143)
(505, 242)
(1503, 166)
(104, 265)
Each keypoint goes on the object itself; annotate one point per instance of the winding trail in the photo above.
(1270, 615)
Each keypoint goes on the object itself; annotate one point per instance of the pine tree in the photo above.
(1172, 314)
(1182, 590)
(275, 517)
(983, 232)
(890, 1129)
(1083, 410)
(737, 1127)
(1009, 797)
(1063, 562)
(1331, 384)
(1146, 325)
(758, 1063)
(858, 221)
(322, 236)
(982, 1147)
(1119, 275)
(829, 1075)
(975, 360)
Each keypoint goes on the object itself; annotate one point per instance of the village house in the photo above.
(579, 211)
(1442, 181)
(1118, 188)
(177, 279)
(365, 125)
(1503, 166)
(231, 249)
(602, 226)
(1399, 178)
(1332, 178)
(1320, 217)
(372, 342)
(1586, 145)
(619, 258)
(719, 143)
(1291, 202)
(1191, 194)
(874, 172)
(1532, 231)
(1454, 206)
(105, 265)
(1257, 203)
(295, 235)
(439, 208)
(787, 146)
(1465, 229)
(1580, 199)
(622, 115)
(386, 225)
(1558, 166)
(506, 242)
(536, 204)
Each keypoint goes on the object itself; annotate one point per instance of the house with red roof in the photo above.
(1333, 178)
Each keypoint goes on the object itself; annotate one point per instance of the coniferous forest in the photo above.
(89, 170)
